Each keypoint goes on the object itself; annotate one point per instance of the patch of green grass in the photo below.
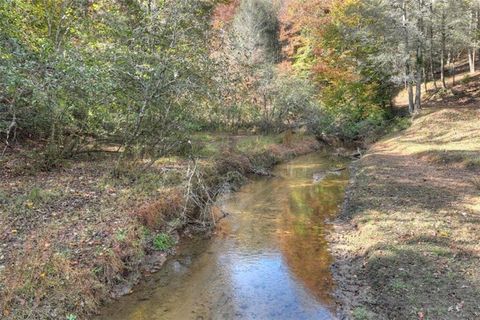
(398, 285)
(203, 137)
(207, 149)
(151, 182)
(145, 232)
(97, 270)
(163, 241)
(37, 195)
(440, 251)
(142, 183)
(253, 144)
(30, 200)
(361, 313)
(207, 144)
(121, 235)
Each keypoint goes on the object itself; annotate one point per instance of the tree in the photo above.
(129, 73)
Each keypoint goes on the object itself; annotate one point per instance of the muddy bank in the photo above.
(406, 245)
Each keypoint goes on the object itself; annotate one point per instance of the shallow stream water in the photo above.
(268, 259)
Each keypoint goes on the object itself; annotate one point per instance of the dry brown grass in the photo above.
(157, 213)
(231, 161)
(41, 274)
(408, 244)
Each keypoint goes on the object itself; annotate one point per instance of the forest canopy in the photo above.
(144, 75)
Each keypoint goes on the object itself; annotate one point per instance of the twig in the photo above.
(11, 128)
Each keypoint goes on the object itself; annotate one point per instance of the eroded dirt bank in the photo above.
(407, 244)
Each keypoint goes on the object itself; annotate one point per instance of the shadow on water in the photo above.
(268, 259)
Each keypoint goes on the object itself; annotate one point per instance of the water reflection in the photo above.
(269, 259)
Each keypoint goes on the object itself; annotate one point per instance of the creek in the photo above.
(268, 259)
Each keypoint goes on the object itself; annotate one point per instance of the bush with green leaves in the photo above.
(134, 74)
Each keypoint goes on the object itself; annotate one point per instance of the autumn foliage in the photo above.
(224, 13)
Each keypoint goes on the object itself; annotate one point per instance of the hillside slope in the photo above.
(408, 241)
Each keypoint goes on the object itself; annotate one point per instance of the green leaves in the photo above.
(163, 241)
(132, 72)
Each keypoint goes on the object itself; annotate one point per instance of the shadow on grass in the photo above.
(396, 181)
(413, 259)
(463, 158)
(424, 274)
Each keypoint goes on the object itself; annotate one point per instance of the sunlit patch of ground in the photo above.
(462, 77)
(408, 245)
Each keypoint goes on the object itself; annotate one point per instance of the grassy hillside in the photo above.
(408, 240)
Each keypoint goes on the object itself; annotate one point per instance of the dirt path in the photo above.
(408, 242)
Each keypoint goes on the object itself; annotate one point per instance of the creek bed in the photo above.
(268, 259)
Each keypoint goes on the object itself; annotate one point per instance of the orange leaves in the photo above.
(305, 24)
(314, 25)
(307, 13)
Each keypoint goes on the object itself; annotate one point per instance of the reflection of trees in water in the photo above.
(302, 234)
(296, 210)
(255, 211)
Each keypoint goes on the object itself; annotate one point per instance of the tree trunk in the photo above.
(471, 59)
(418, 91)
(432, 65)
(419, 67)
(425, 79)
(443, 45)
(442, 71)
(408, 71)
(472, 51)
(410, 98)
(453, 72)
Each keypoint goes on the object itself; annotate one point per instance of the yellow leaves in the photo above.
(343, 12)
(96, 7)
(443, 233)
(6, 56)
(29, 204)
